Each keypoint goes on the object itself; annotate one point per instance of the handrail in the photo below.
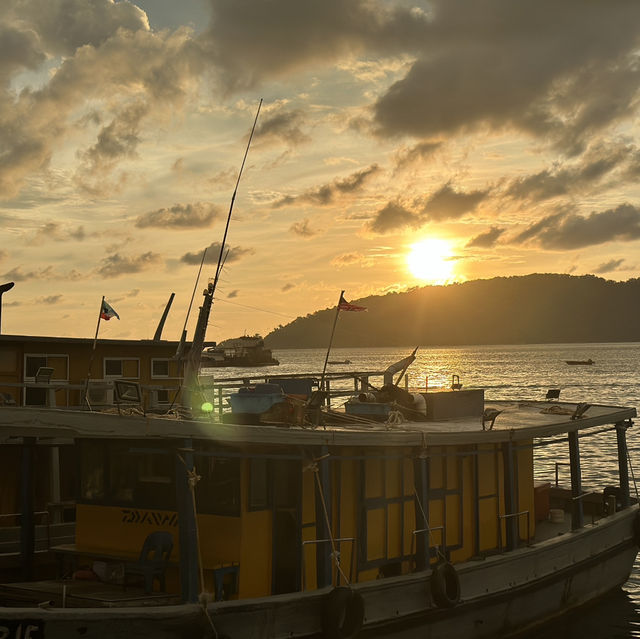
(443, 539)
(37, 513)
(557, 466)
(509, 516)
(324, 541)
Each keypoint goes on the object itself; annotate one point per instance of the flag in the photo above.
(343, 305)
(107, 312)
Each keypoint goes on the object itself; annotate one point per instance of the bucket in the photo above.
(556, 515)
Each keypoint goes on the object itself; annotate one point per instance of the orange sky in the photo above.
(496, 137)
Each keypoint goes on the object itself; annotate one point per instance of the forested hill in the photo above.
(539, 308)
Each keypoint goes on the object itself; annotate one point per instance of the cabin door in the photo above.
(287, 481)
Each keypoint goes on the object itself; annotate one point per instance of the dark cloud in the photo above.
(186, 216)
(253, 42)
(287, 287)
(116, 264)
(233, 294)
(559, 181)
(448, 204)
(327, 193)
(502, 64)
(58, 233)
(419, 152)
(283, 125)
(393, 217)
(570, 231)
(302, 229)
(608, 267)
(487, 239)
(19, 50)
(213, 252)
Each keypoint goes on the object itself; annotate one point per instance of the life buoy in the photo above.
(343, 614)
(445, 585)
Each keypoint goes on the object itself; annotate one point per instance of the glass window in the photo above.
(259, 484)
(92, 467)
(113, 367)
(33, 363)
(218, 491)
(159, 368)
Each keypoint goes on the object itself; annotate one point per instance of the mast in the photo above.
(192, 360)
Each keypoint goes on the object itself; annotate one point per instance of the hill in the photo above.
(538, 308)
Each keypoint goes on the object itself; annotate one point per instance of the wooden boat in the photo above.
(421, 510)
(580, 362)
(339, 361)
(246, 351)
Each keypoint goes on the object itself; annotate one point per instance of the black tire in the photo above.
(445, 585)
(343, 614)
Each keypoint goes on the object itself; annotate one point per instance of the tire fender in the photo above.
(343, 614)
(445, 585)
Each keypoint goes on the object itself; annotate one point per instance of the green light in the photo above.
(207, 407)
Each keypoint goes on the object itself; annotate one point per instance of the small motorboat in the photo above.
(580, 362)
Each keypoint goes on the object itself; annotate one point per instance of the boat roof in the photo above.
(517, 421)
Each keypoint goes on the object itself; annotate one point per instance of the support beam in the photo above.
(577, 512)
(323, 550)
(510, 496)
(623, 469)
(187, 525)
(27, 498)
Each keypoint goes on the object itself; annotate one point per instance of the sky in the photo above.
(398, 144)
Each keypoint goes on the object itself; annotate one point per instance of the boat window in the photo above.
(112, 367)
(92, 471)
(159, 368)
(259, 498)
(218, 491)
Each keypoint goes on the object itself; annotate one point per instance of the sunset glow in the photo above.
(430, 261)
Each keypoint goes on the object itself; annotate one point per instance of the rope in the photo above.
(192, 479)
(633, 477)
(335, 553)
(395, 418)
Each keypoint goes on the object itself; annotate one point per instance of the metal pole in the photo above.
(577, 511)
(333, 330)
(623, 469)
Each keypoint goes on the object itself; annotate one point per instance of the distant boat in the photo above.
(340, 361)
(580, 362)
(243, 351)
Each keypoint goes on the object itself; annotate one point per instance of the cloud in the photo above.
(347, 259)
(487, 239)
(562, 231)
(186, 216)
(233, 294)
(116, 265)
(496, 64)
(393, 217)
(105, 65)
(58, 233)
(448, 204)
(608, 267)
(302, 229)
(287, 287)
(562, 180)
(3, 255)
(327, 193)
(283, 125)
(254, 42)
(49, 299)
(418, 152)
(213, 252)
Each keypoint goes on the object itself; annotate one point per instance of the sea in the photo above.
(523, 372)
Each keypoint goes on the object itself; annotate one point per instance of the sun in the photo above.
(431, 261)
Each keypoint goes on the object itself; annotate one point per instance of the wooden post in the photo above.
(577, 513)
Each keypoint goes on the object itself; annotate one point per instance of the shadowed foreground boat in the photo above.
(405, 511)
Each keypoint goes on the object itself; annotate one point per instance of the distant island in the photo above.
(530, 309)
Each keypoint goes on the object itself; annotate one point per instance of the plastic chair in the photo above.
(153, 560)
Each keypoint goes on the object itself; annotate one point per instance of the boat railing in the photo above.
(558, 464)
(502, 518)
(9, 535)
(336, 556)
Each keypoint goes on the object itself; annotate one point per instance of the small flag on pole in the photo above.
(343, 305)
(107, 311)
